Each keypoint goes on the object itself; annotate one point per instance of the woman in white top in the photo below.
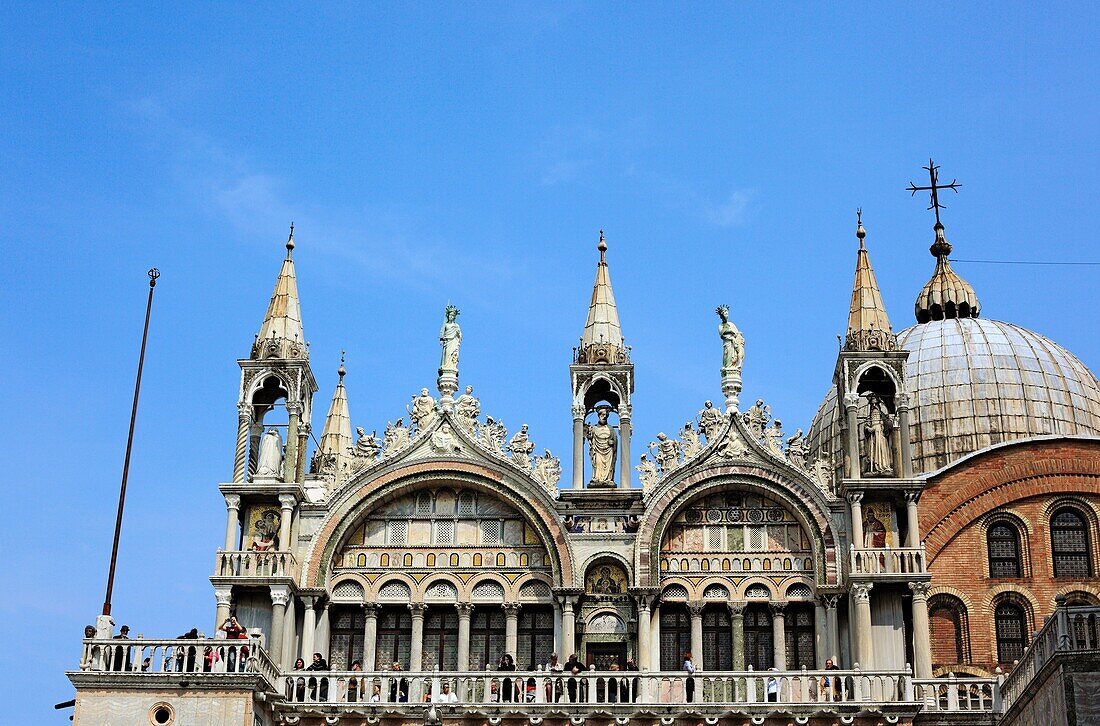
(689, 668)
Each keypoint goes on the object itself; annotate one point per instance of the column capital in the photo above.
(851, 400)
(511, 609)
(644, 599)
(578, 412)
(305, 428)
(294, 408)
(912, 497)
(861, 591)
(280, 595)
(232, 501)
(777, 608)
(223, 595)
(901, 401)
(625, 411)
(830, 601)
(308, 601)
(465, 610)
(287, 501)
(417, 609)
(244, 410)
(370, 609)
(855, 497)
(737, 608)
(695, 607)
(920, 590)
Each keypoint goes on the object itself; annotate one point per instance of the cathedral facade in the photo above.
(889, 566)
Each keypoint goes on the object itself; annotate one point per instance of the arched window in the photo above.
(948, 623)
(1011, 628)
(675, 635)
(1069, 544)
(1003, 542)
(717, 639)
(759, 652)
(800, 635)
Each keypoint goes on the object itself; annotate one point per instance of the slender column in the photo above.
(309, 628)
(737, 633)
(511, 627)
(559, 642)
(568, 626)
(821, 635)
(255, 432)
(922, 641)
(779, 635)
(290, 634)
(644, 625)
(912, 536)
(578, 449)
(695, 609)
(625, 429)
(851, 408)
(832, 626)
(855, 499)
(303, 444)
(224, 597)
(280, 595)
(286, 504)
(370, 636)
(465, 610)
(416, 646)
(323, 638)
(861, 593)
(233, 508)
(244, 423)
(901, 401)
(290, 461)
(655, 639)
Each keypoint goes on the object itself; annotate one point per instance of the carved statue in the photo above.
(733, 447)
(667, 452)
(270, 462)
(756, 418)
(689, 438)
(443, 441)
(366, 447)
(822, 470)
(878, 457)
(548, 469)
(773, 438)
(710, 421)
(450, 336)
(796, 449)
(493, 435)
(422, 410)
(521, 448)
(733, 343)
(467, 409)
(647, 472)
(602, 448)
(395, 438)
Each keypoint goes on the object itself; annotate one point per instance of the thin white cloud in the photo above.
(734, 210)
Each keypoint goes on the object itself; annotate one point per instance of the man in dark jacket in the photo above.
(319, 664)
(572, 666)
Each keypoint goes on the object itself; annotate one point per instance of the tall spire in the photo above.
(602, 339)
(281, 335)
(868, 325)
(336, 436)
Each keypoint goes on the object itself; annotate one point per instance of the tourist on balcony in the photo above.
(494, 692)
(773, 687)
(376, 693)
(507, 686)
(298, 687)
(235, 631)
(574, 667)
(356, 686)
(399, 687)
(554, 685)
(689, 685)
(613, 684)
(628, 687)
(89, 631)
(318, 664)
(185, 654)
(445, 694)
(830, 684)
(122, 653)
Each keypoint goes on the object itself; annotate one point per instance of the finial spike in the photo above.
(602, 247)
(290, 240)
(860, 231)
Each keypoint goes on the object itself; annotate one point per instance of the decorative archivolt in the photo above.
(484, 589)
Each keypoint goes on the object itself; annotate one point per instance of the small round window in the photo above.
(161, 714)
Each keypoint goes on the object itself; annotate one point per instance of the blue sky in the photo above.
(432, 153)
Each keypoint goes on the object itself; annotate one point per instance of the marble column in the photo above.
(370, 636)
(851, 409)
(323, 638)
(255, 432)
(832, 627)
(303, 444)
(901, 401)
(309, 628)
(912, 524)
(290, 460)
(233, 517)
(416, 645)
(244, 423)
(568, 626)
(511, 628)
(286, 505)
(465, 610)
(644, 625)
(855, 500)
(695, 609)
(625, 462)
(861, 594)
(821, 635)
(655, 638)
(779, 635)
(223, 595)
(578, 450)
(280, 595)
(922, 642)
(737, 633)
(558, 640)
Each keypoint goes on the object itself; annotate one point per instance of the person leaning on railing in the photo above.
(554, 685)
(830, 685)
(574, 667)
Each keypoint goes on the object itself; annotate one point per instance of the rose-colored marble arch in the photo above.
(355, 504)
(810, 513)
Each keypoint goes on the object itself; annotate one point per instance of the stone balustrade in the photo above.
(1072, 629)
(953, 694)
(150, 658)
(256, 565)
(905, 561)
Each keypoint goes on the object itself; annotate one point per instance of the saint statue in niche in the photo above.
(270, 462)
(450, 336)
(878, 458)
(602, 448)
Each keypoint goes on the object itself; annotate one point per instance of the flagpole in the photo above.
(154, 273)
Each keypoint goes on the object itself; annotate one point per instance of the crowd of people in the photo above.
(179, 658)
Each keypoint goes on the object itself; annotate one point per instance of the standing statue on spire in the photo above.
(602, 449)
(450, 336)
(733, 343)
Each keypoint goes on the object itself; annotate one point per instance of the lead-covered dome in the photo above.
(974, 383)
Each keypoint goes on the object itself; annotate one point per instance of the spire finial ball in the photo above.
(290, 239)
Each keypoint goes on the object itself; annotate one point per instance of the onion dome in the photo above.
(946, 296)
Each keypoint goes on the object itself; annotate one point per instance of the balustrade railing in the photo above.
(955, 693)
(1070, 629)
(524, 689)
(247, 563)
(887, 561)
(183, 655)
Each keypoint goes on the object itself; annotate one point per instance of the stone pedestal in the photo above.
(447, 383)
(731, 388)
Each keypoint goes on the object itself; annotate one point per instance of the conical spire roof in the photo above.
(336, 436)
(946, 295)
(868, 325)
(281, 335)
(602, 339)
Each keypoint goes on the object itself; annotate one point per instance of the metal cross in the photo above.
(934, 176)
